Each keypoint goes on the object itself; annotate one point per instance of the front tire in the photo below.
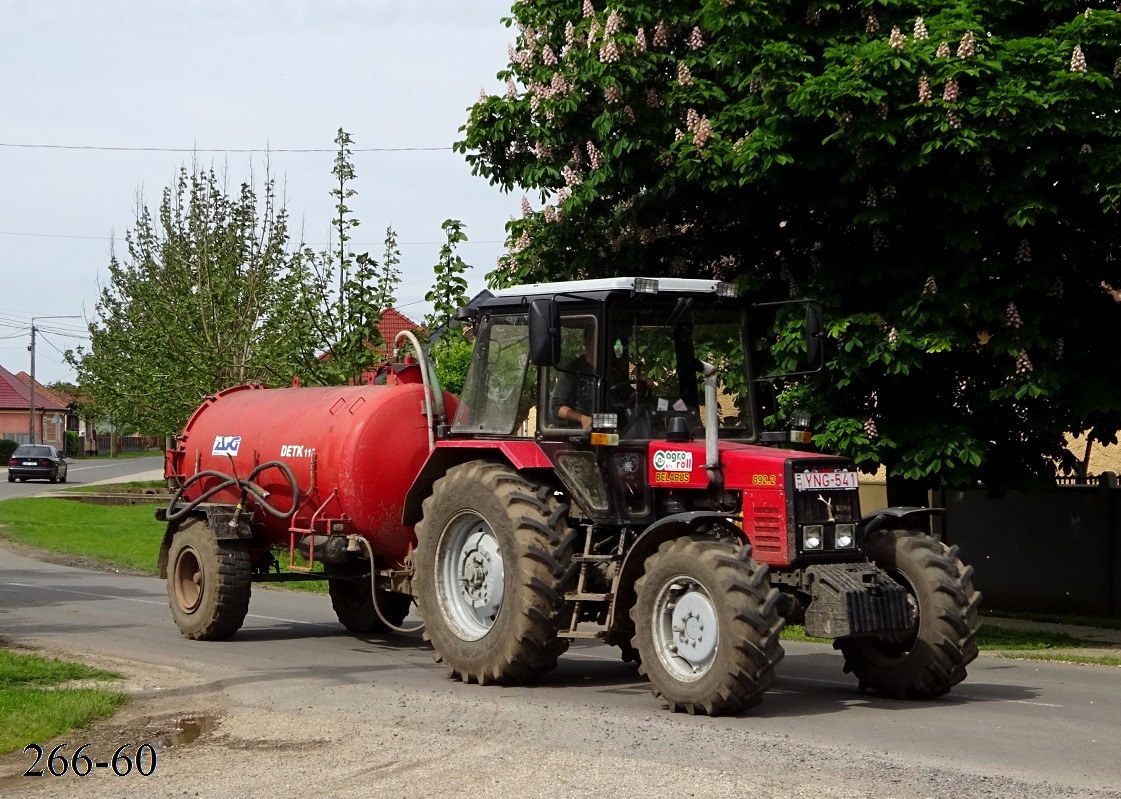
(208, 582)
(353, 601)
(930, 660)
(706, 626)
(492, 552)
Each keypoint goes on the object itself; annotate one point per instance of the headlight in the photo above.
(812, 536)
(845, 536)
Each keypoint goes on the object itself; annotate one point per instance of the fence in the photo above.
(128, 443)
(1056, 550)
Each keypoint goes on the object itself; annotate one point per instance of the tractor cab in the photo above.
(630, 387)
(619, 356)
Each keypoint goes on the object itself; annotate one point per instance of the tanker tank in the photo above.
(353, 452)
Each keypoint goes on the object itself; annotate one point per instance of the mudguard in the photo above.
(521, 455)
(896, 517)
(654, 536)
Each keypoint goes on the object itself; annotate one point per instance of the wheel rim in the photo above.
(686, 629)
(471, 575)
(188, 580)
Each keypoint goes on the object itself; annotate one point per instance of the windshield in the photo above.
(654, 354)
(28, 451)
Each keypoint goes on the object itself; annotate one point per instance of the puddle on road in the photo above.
(180, 730)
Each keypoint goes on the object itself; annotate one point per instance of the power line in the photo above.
(63, 333)
(304, 244)
(56, 329)
(56, 349)
(53, 235)
(219, 149)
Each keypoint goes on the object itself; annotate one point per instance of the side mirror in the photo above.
(815, 334)
(544, 333)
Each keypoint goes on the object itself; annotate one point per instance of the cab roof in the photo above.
(639, 285)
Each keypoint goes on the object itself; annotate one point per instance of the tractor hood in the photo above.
(681, 464)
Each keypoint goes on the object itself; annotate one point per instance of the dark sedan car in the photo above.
(36, 462)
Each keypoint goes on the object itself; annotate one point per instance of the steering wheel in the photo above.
(622, 394)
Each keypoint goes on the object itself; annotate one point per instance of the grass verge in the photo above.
(35, 705)
(138, 486)
(1103, 622)
(1064, 657)
(1019, 644)
(122, 536)
(145, 453)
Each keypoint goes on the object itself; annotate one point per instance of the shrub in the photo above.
(7, 447)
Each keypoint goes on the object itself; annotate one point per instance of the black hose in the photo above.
(247, 486)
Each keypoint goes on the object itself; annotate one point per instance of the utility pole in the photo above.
(31, 349)
(31, 422)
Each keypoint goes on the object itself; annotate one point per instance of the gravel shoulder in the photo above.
(221, 739)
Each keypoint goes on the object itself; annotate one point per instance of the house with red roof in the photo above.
(51, 411)
(392, 322)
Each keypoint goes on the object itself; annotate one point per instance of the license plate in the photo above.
(30, 463)
(824, 481)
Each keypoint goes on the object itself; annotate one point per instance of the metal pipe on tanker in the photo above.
(374, 591)
(429, 396)
(437, 393)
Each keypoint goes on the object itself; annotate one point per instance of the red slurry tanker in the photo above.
(604, 475)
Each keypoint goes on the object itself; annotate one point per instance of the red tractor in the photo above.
(604, 475)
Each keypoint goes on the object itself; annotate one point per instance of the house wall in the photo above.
(14, 425)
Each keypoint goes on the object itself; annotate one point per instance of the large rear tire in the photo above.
(930, 660)
(353, 600)
(492, 552)
(208, 582)
(707, 626)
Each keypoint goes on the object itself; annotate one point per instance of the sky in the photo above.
(101, 103)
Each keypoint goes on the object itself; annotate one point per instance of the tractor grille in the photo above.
(810, 507)
(769, 528)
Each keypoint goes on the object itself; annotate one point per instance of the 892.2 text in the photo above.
(82, 765)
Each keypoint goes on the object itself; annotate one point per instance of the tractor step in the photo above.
(580, 633)
(586, 597)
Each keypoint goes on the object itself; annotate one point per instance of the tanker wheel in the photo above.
(208, 582)
(353, 600)
(707, 626)
(492, 552)
(931, 659)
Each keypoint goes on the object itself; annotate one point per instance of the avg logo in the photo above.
(226, 445)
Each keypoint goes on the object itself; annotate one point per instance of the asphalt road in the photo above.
(82, 472)
(1013, 729)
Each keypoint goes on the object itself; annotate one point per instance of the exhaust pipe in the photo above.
(712, 426)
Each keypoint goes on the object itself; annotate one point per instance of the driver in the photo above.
(572, 398)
